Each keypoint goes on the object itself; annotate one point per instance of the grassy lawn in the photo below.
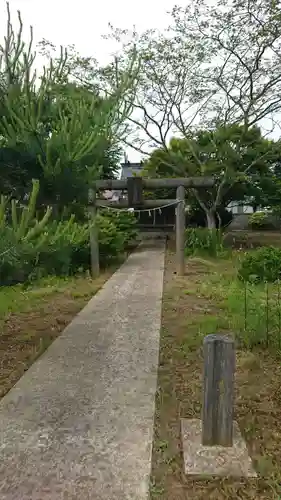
(31, 318)
(209, 299)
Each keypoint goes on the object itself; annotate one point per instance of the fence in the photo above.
(256, 318)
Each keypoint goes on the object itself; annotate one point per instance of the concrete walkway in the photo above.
(79, 423)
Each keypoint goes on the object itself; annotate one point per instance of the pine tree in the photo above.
(63, 128)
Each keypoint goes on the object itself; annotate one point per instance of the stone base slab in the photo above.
(214, 460)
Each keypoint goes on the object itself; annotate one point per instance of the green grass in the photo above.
(252, 312)
(23, 298)
(32, 317)
(210, 299)
(18, 298)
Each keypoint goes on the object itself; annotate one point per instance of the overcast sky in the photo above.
(83, 22)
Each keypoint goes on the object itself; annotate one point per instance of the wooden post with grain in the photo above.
(218, 397)
(180, 230)
(94, 244)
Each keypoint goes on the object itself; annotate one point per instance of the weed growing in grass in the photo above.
(206, 241)
(261, 265)
(211, 299)
(251, 311)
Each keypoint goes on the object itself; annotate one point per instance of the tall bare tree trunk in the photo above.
(211, 219)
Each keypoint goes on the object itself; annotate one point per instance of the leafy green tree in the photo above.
(218, 65)
(237, 160)
(267, 189)
(67, 131)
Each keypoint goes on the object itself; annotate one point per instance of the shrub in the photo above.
(17, 258)
(125, 222)
(111, 240)
(20, 232)
(263, 264)
(64, 247)
(260, 220)
(30, 247)
(208, 241)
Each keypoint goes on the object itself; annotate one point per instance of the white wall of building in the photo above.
(236, 208)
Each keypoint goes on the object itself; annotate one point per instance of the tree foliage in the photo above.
(32, 246)
(53, 128)
(216, 68)
(236, 48)
(236, 159)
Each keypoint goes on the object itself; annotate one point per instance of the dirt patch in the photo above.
(179, 394)
(25, 335)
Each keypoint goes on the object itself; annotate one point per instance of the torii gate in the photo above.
(134, 186)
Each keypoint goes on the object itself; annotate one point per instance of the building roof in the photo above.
(130, 169)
